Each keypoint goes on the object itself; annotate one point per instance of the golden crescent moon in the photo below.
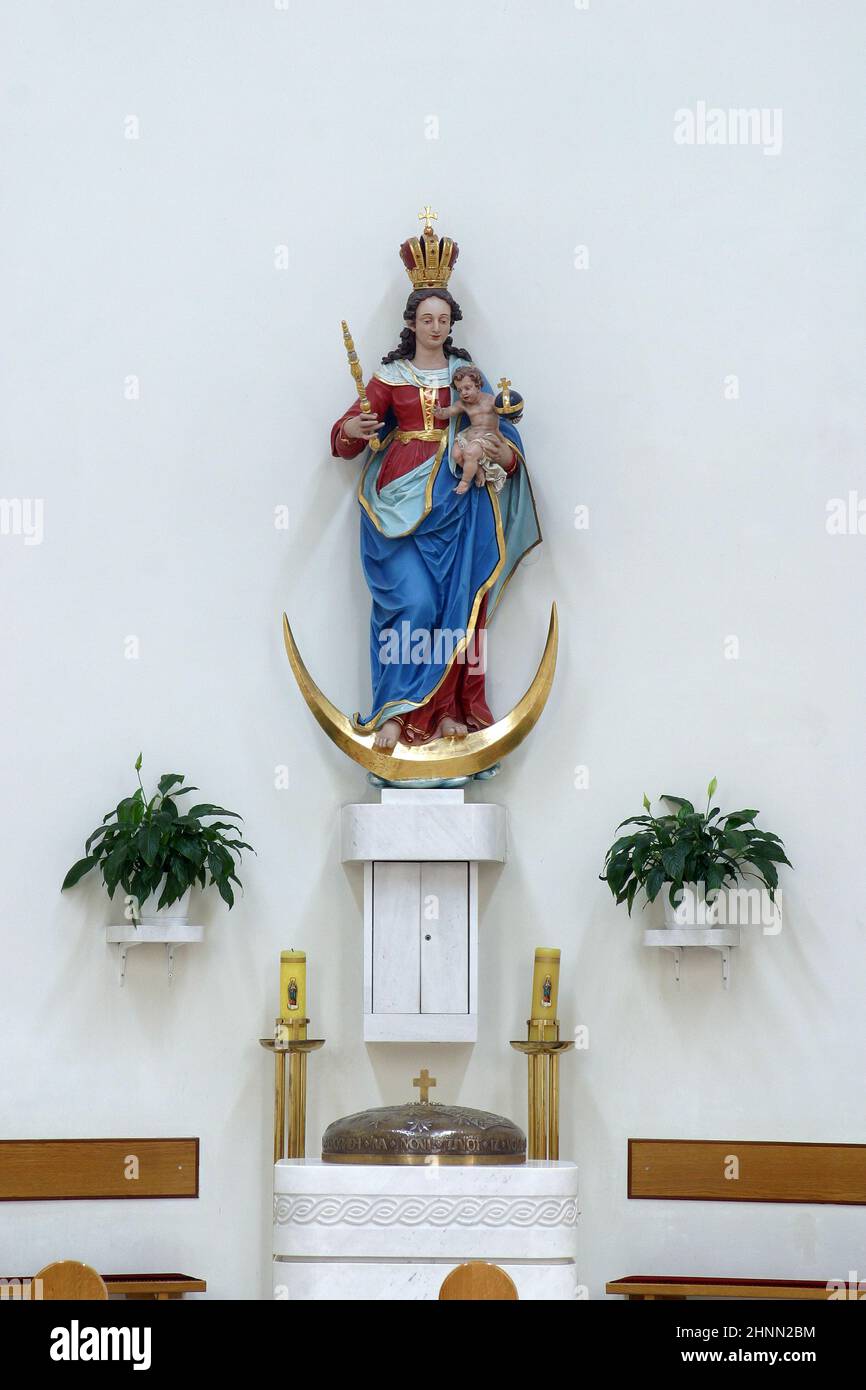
(443, 757)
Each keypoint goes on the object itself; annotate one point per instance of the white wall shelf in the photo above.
(679, 939)
(168, 934)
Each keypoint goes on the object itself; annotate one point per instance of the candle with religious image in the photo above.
(293, 987)
(545, 983)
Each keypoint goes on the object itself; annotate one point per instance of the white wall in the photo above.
(155, 257)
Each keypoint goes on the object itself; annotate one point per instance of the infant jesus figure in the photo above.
(468, 452)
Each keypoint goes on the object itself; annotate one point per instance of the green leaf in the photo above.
(617, 876)
(713, 878)
(739, 818)
(646, 803)
(167, 780)
(711, 789)
(138, 763)
(225, 892)
(101, 830)
(224, 859)
(674, 861)
(767, 871)
(176, 884)
(767, 850)
(655, 879)
(151, 844)
(735, 839)
(193, 850)
(78, 870)
(612, 852)
(681, 802)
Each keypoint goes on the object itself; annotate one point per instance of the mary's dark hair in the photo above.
(406, 346)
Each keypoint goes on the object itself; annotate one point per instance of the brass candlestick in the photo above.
(542, 1050)
(290, 1041)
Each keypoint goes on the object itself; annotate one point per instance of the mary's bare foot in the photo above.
(451, 728)
(387, 736)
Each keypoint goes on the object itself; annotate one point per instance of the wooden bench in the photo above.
(56, 1170)
(157, 1286)
(649, 1287)
(741, 1170)
(145, 1286)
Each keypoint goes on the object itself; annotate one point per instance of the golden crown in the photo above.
(429, 259)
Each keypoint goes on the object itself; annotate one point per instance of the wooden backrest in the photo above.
(737, 1170)
(478, 1280)
(70, 1279)
(38, 1170)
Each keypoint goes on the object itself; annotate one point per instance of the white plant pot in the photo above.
(693, 912)
(152, 916)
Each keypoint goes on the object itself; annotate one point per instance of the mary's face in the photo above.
(432, 323)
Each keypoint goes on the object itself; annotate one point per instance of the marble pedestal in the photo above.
(370, 1231)
(421, 850)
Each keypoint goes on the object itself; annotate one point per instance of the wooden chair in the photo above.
(71, 1280)
(477, 1280)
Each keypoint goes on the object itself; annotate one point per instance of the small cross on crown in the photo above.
(428, 258)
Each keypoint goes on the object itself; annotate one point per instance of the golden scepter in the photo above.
(355, 369)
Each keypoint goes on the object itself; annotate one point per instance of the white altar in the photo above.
(379, 1231)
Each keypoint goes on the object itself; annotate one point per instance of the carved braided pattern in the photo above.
(424, 1211)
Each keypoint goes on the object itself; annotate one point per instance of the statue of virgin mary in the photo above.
(436, 561)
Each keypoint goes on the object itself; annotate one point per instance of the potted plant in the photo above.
(156, 851)
(692, 855)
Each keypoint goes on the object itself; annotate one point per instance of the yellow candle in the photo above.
(293, 985)
(545, 983)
